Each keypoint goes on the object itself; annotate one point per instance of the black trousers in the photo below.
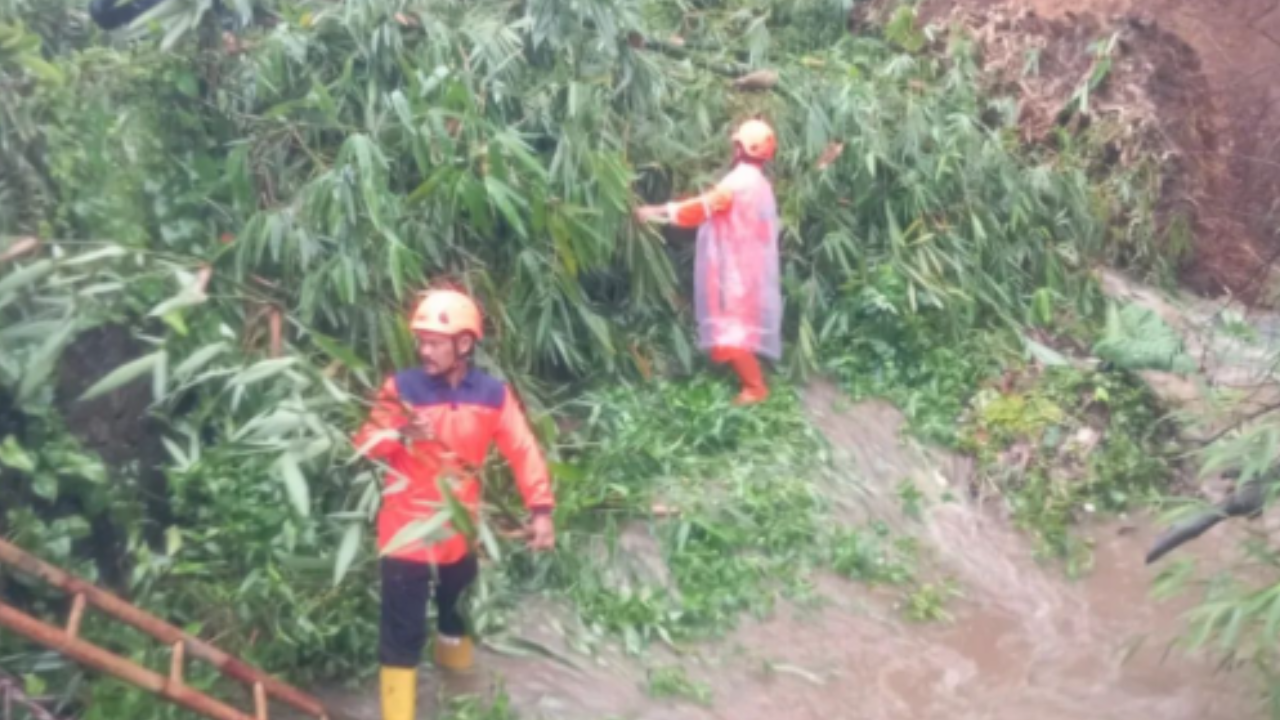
(406, 587)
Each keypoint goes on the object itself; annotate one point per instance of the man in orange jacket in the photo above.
(738, 292)
(433, 425)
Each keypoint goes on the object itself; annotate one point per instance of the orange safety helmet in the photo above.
(447, 312)
(757, 139)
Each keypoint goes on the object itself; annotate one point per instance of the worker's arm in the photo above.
(518, 445)
(690, 213)
(387, 415)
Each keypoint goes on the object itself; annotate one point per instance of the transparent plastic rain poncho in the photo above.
(739, 296)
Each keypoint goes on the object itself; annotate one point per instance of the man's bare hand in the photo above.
(418, 429)
(651, 213)
(542, 535)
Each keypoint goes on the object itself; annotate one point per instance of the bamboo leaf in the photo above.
(371, 165)
(187, 297)
(107, 253)
(197, 360)
(160, 376)
(374, 439)
(175, 32)
(123, 375)
(263, 370)
(501, 196)
(15, 456)
(27, 275)
(43, 361)
(458, 512)
(1273, 615)
(1231, 634)
(339, 352)
(272, 424)
(567, 472)
(489, 541)
(347, 550)
(178, 455)
(425, 531)
(295, 484)
(172, 540)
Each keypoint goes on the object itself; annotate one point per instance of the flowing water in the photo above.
(1023, 641)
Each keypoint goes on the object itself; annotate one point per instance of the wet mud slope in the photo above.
(1023, 642)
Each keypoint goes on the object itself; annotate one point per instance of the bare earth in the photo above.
(1238, 45)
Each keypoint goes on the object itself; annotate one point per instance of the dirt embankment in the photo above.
(1238, 43)
(1190, 82)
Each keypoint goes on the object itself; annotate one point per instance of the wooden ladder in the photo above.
(67, 641)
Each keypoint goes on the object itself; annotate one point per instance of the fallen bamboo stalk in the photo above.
(162, 631)
(96, 658)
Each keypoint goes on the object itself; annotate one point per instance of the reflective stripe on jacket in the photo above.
(466, 420)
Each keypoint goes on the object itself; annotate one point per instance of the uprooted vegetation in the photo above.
(260, 219)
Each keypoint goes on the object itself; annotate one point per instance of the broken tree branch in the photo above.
(1247, 500)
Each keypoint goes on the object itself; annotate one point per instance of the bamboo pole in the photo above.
(175, 664)
(95, 657)
(162, 631)
(77, 614)
(259, 702)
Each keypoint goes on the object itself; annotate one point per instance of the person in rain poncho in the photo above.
(739, 296)
(433, 426)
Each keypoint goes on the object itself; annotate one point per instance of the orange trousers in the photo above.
(747, 367)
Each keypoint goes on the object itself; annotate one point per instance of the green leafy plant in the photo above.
(674, 682)
(1136, 338)
(912, 499)
(927, 603)
(1064, 443)
(468, 707)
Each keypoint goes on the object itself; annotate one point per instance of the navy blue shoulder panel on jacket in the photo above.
(477, 388)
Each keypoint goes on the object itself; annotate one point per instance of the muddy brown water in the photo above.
(1023, 641)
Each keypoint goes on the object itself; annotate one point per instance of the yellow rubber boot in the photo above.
(399, 693)
(453, 653)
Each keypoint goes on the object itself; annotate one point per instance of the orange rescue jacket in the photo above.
(466, 420)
